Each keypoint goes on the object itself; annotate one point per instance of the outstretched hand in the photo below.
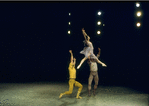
(104, 65)
(83, 29)
(70, 51)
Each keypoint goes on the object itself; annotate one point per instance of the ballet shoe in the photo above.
(79, 97)
(61, 95)
(78, 67)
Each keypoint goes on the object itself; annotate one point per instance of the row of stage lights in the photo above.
(98, 23)
(138, 14)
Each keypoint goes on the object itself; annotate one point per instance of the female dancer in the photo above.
(88, 51)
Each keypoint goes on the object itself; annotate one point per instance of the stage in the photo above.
(47, 94)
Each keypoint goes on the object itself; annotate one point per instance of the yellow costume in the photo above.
(72, 82)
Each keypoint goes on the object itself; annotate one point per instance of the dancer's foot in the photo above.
(94, 92)
(89, 93)
(61, 95)
(79, 97)
(104, 65)
(78, 67)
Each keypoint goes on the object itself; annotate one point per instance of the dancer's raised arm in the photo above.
(74, 60)
(84, 33)
(98, 55)
(71, 59)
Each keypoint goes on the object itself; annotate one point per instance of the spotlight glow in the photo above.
(69, 13)
(69, 32)
(99, 13)
(69, 23)
(137, 5)
(138, 24)
(98, 32)
(139, 13)
(98, 23)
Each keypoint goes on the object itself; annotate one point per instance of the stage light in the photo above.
(99, 13)
(69, 32)
(69, 23)
(98, 23)
(137, 5)
(139, 13)
(69, 13)
(138, 24)
(98, 32)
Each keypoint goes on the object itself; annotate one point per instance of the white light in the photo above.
(103, 24)
(138, 24)
(69, 13)
(139, 14)
(68, 32)
(98, 22)
(99, 13)
(137, 5)
(69, 23)
(98, 32)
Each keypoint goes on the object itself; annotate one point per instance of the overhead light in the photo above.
(69, 32)
(137, 4)
(98, 32)
(98, 23)
(99, 13)
(139, 13)
(138, 24)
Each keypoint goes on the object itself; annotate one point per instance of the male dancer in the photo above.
(72, 77)
(93, 73)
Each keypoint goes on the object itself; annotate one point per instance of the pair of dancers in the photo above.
(88, 52)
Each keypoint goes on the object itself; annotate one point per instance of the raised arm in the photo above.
(84, 33)
(71, 59)
(98, 55)
(74, 60)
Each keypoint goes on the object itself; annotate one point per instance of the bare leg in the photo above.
(96, 79)
(82, 61)
(90, 79)
(103, 64)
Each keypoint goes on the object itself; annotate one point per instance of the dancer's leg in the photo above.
(82, 61)
(98, 61)
(77, 84)
(90, 79)
(96, 79)
(71, 83)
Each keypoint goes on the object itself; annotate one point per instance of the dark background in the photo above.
(35, 44)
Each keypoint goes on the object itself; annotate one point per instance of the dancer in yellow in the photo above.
(72, 77)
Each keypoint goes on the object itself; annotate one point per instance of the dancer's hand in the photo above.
(70, 51)
(104, 65)
(99, 49)
(82, 28)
